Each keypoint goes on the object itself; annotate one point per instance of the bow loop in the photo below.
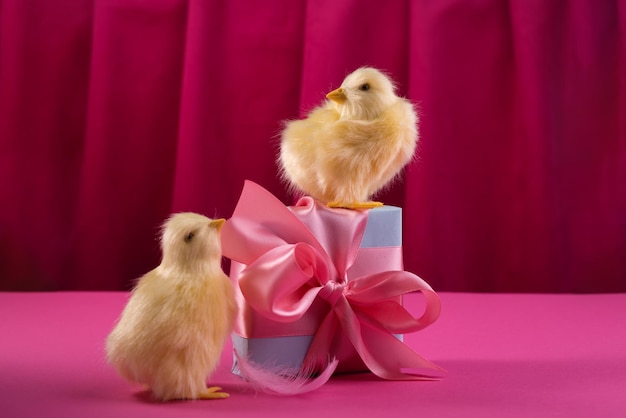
(280, 284)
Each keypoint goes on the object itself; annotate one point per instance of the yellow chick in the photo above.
(354, 144)
(172, 331)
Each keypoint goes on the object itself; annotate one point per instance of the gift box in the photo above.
(315, 284)
(380, 250)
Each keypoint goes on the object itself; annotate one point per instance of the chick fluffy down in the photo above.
(343, 155)
(172, 331)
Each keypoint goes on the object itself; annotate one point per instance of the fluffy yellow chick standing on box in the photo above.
(172, 331)
(353, 145)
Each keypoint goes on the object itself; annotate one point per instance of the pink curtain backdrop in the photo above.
(116, 113)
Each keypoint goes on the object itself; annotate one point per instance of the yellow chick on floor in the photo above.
(172, 331)
(353, 145)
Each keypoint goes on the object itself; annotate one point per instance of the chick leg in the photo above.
(213, 393)
(354, 205)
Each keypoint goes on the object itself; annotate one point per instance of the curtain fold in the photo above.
(116, 113)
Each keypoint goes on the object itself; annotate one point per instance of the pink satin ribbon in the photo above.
(296, 256)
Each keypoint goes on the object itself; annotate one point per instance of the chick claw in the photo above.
(354, 205)
(213, 393)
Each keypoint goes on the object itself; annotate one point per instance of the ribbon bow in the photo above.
(288, 268)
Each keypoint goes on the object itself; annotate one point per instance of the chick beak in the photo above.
(337, 96)
(217, 223)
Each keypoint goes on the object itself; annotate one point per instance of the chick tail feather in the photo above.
(280, 380)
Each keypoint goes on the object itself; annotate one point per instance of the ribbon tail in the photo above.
(391, 359)
(383, 354)
(317, 357)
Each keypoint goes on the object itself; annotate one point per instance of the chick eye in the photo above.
(189, 236)
(364, 87)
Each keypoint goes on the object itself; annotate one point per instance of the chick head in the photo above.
(189, 240)
(364, 94)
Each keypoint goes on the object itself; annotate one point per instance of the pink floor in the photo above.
(506, 355)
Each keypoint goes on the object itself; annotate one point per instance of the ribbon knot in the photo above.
(290, 259)
(332, 291)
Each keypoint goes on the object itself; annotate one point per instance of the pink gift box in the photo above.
(313, 283)
(285, 345)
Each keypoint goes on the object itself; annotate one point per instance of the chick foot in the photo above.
(213, 393)
(354, 205)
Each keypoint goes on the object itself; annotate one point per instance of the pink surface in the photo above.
(115, 113)
(507, 355)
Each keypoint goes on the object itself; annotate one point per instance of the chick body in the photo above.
(354, 144)
(172, 331)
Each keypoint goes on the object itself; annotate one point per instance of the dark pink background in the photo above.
(115, 113)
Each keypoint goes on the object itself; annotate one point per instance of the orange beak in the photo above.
(337, 96)
(217, 223)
